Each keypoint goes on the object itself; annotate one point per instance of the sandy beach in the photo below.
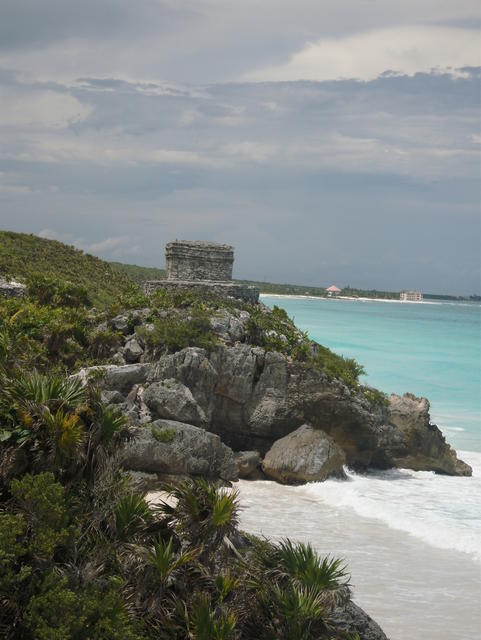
(354, 299)
(413, 590)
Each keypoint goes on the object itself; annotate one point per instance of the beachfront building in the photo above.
(411, 296)
(333, 290)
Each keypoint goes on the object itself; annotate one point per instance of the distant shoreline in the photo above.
(295, 296)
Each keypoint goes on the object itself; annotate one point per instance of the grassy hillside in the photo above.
(22, 256)
(139, 274)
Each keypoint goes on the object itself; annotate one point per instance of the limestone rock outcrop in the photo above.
(132, 350)
(423, 446)
(175, 448)
(11, 288)
(251, 398)
(305, 455)
(249, 465)
(172, 400)
(350, 617)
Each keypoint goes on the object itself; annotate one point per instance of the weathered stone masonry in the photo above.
(205, 267)
(197, 260)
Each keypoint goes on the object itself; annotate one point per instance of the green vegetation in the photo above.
(27, 257)
(376, 397)
(275, 331)
(83, 556)
(139, 274)
(163, 435)
(175, 333)
(49, 336)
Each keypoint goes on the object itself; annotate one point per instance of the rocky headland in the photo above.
(191, 383)
(198, 410)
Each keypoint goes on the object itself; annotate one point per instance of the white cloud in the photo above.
(66, 238)
(252, 151)
(46, 108)
(367, 55)
(113, 247)
(110, 247)
(107, 244)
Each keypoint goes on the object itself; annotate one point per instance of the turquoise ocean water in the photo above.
(430, 349)
(412, 539)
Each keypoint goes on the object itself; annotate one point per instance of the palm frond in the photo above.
(32, 389)
(165, 561)
(131, 513)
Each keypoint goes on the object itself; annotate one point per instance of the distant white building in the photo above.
(411, 296)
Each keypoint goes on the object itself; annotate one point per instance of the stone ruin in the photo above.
(198, 260)
(202, 266)
(11, 289)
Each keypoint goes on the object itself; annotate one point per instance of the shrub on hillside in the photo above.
(275, 331)
(82, 556)
(177, 332)
(49, 291)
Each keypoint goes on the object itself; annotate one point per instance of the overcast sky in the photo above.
(330, 141)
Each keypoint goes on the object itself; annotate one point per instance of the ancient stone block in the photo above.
(204, 267)
(199, 261)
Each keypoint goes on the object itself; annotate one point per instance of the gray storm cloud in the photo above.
(121, 129)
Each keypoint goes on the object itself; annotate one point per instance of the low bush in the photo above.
(50, 291)
(176, 332)
(163, 435)
(275, 331)
(375, 397)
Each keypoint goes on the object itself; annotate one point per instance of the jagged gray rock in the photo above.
(111, 397)
(120, 323)
(251, 398)
(230, 327)
(248, 465)
(350, 618)
(423, 446)
(119, 378)
(305, 455)
(12, 289)
(132, 350)
(173, 400)
(176, 448)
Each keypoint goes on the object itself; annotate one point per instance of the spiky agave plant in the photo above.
(30, 391)
(65, 434)
(132, 513)
(293, 612)
(42, 416)
(307, 568)
(108, 429)
(202, 513)
(292, 591)
(164, 561)
(326, 576)
(207, 624)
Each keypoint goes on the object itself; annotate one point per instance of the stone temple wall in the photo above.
(244, 292)
(204, 267)
(194, 260)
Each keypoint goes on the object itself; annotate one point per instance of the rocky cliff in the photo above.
(251, 397)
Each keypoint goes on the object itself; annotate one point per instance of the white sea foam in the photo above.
(413, 589)
(443, 511)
